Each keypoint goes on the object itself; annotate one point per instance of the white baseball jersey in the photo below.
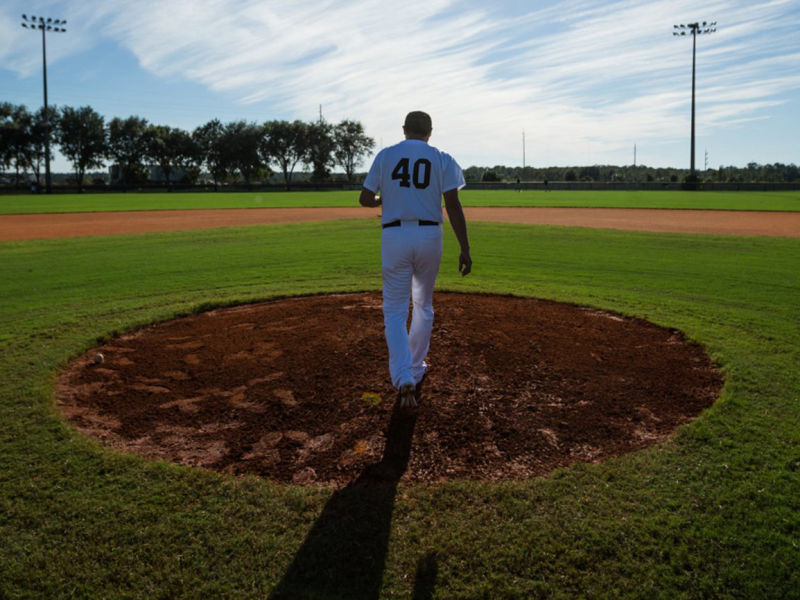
(411, 177)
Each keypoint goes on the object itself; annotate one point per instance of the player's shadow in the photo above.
(344, 554)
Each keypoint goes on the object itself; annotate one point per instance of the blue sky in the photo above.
(585, 81)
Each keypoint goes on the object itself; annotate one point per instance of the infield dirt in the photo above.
(49, 226)
(297, 390)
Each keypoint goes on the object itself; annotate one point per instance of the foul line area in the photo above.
(718, 222)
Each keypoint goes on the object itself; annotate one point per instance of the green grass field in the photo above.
(713, 513)
(772, 201)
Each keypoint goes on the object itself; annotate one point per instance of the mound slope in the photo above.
(297, 390)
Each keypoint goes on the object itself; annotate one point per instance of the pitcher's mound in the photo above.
(298, 391)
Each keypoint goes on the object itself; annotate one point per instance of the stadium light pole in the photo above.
(45, 24)
(694, 29)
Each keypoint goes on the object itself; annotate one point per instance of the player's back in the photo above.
(411, 177)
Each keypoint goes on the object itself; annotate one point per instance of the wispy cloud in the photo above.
(575, 75)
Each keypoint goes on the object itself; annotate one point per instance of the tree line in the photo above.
(752, 173)
(247, 151)
(240, 150)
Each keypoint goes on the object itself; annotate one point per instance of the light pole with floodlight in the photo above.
(45, 24)
(694, 29)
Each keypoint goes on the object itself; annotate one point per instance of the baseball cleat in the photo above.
(408, 395)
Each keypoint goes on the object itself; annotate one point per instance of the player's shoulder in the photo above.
(389, 151)
(382, 152)
(444, 157)
(427, 148)
(416, 148)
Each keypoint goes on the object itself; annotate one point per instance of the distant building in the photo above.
(154, 173)
(157, 174)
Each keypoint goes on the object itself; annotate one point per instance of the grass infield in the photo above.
(91, 202)
(715, 512)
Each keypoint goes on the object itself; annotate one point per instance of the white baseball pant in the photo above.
(410, 258)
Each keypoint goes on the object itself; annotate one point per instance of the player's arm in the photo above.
(368, 198)
(455, 215)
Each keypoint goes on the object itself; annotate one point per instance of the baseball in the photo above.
(98, 359)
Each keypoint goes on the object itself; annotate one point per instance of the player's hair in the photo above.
(418, 122)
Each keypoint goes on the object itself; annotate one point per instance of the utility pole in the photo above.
(45, 24)
(523, 148)
(694, 29)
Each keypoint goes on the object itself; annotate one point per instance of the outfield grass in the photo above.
(771, 201)
(713, 513)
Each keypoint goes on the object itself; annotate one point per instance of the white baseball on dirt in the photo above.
(98, 359)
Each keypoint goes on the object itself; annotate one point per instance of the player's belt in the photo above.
(421, 222)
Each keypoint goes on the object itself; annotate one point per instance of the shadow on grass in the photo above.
(344, 554)
(425, 579)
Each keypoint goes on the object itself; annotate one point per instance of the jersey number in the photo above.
(421, 173)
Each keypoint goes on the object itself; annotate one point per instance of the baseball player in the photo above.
(411, 178)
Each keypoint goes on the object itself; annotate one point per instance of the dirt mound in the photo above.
(298, 391)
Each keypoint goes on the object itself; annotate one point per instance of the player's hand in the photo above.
(464, 263)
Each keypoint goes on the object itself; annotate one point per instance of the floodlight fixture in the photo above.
(694, 29)
(33, 22)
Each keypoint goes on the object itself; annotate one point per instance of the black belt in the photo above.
(422, 223)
